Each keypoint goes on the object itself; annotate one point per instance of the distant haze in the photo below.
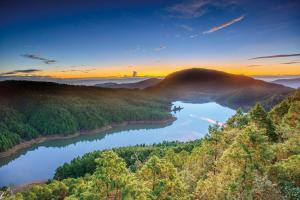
(94, 81)
(273, 78)
(76, 81)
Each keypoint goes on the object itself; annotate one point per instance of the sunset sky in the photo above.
(73, 39)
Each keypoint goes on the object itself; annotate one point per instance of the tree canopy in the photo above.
(256, 155)
(29, 110)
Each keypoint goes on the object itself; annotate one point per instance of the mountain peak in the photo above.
(199, 84)
(199, 74)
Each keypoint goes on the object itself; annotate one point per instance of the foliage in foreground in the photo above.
(255, 156)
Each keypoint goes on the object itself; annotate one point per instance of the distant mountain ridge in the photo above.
(137, 85)
(198, 84)
(293, 82)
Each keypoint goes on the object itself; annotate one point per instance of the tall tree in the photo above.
(112, 171)
(238, 120)
(260, 117)
(162, 178)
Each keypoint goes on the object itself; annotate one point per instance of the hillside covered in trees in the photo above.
(32, 109)
(255, 156)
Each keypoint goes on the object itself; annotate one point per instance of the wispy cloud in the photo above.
(190, 9)
(196, 8)
(162, 47)
(25, 71)
(290, 63)
(251, 66)
(36, 57)
(216, 28)
(275, 56)
(186, 27)
(194, 36)
(78, 70)
(76, 66)
(137, 48)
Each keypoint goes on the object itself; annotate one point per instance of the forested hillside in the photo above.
(32, 109)
(254, 156)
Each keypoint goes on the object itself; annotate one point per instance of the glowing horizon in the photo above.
(161, 71)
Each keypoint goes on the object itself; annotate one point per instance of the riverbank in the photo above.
(41, 139)
(25, 187)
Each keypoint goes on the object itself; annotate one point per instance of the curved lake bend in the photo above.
(40, 161)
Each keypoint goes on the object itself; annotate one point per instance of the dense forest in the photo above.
(32, 109)
(256, 155)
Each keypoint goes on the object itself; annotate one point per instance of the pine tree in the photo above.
(162, 178)
(260, 117)
(112, 171)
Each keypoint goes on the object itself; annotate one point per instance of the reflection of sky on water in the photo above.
(40, 162)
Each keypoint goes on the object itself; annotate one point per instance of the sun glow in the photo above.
(163, 70)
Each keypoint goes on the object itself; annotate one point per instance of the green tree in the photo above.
(177, 159)
(162, 178)
(112, 171)
(260, 117)
(238, 120)
(135, 190)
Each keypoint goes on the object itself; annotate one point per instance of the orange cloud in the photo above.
(216, 28)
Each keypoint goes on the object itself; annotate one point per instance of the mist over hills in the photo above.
(293, 82)
(75, 81)
(270, 78)
(136, 85)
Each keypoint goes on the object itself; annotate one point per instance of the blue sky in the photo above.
(112, 38)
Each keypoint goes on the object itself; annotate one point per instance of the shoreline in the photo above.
(41, 139)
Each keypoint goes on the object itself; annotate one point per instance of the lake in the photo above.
(40, 161)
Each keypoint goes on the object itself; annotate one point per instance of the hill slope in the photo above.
(205, 85)
(32, 109)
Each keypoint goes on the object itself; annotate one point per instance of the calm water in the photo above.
(40, 161)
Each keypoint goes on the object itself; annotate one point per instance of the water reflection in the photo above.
(40, 161)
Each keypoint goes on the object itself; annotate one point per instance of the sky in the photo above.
(117, 38)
